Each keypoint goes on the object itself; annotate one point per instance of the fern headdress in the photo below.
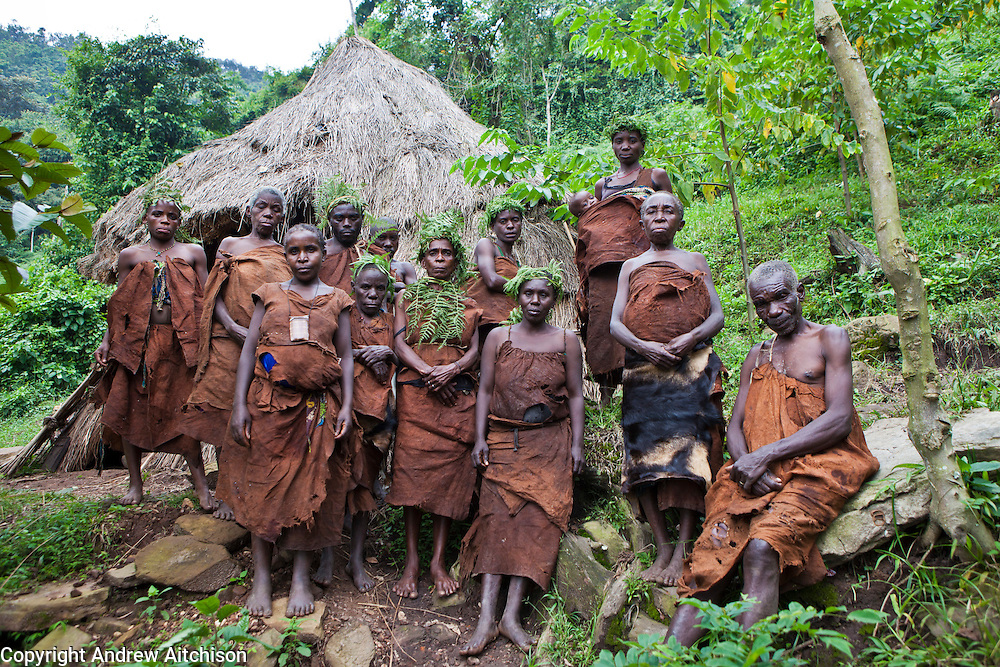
(368, 260)
(626, 123)
(552, 274)
(161, 190)
(333, 192)
(495, 207)
(436, 306)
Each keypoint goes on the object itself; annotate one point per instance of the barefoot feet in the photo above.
(324, 573)
(444, 584)
(300, 600)
(362, 581)
(224, 512)
(512, 630)
(485, 633)
(133, 496)
(259, 602)
(406, 587)
(655, 572)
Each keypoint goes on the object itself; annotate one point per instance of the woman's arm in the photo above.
(574, 387)
(239, 424)
(486, 263)
(481, 451)
(222, 316)
(343, 343)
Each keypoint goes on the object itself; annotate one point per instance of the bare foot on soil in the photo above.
(224, 512)
(206, 499)
(656, 571)
(259, 602)
(480, 640)
(671, 574)
(362, 580)
(513, 631)
(300, 599)
(444, 584)
(132, 497)
(324, 573)
(406, 587)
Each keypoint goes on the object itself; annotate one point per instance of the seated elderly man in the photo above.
(799, 454)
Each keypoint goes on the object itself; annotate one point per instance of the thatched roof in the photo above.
(384, 126)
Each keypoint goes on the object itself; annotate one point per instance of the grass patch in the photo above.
(47, 537)
(19, 430)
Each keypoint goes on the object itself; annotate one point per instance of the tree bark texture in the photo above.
(929, 427)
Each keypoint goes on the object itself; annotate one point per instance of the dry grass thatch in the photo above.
(382, 125)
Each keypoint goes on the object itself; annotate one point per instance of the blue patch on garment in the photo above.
(268, 362)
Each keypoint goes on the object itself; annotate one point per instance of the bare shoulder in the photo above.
(227, 243)
(485, 246)
(496, 335)
(661, 180)
(835, 340)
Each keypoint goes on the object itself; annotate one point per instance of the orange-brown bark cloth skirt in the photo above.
(432, 465)
(152, 365)
(210, 405)
(496, 306)
(671, 419)
(816, 486)
(372, 399)
(293, 488)
(526, 495)
(608, 233)
(336, 269)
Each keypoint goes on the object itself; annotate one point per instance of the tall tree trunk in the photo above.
(929, 427)
(739, 222)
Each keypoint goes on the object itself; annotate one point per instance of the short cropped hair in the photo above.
(779, 266)
(268, 190)
(645, 202)
(306, 227)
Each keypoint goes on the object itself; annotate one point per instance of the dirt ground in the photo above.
(406, 632)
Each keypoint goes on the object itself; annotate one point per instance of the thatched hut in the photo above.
(384, 126)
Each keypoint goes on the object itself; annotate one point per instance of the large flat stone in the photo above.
(580, 579)
(122, 577)
(260, 656)
(612, 543)
(900, 496)
(184, 562)
(351, 646)
(608, 623)
(310, 627)
(64, 637)
(51, 604)
(644, 625)
(206, 528)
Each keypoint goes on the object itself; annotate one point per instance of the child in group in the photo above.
(529, 442)
(580, 201)
(665, 314)
(292, 410)
(385, 241)
(436, 340)
(496, 262)
(151, 345)
(374, 365)
(243, 264)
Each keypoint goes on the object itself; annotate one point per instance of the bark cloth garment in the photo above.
(293, 488)
(210, 405)
(816, 486)
(336, 269)
(151, 367)
(671, 419)
(496, 306)
(608, 233)
(373, 430)
(527, 489)
(432, 464)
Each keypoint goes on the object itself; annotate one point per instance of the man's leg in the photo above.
(444, 584)
(486, 630)
(760, 581)
(406, 587)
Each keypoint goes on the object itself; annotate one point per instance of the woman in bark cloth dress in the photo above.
(242, 264)
(529, 442)
(665, 314)
(151, 345)
(496, 262)
(608, 233)
(292, 410)
(436, 341)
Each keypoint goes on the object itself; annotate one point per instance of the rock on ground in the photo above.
(51, 604)
(63, 637)
(899, 497)
(351, 646)
(259, 656)
(874, 336)
(580, 579)
(122, 577)
(608, 620)
(206, 528)
(644, 625)
(310, 627)
(607, 536)
(183, 562)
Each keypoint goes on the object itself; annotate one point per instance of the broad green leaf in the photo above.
(53, 227)
(867, 616)
(42, 138)
(208, 606)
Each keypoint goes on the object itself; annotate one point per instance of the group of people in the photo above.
(304, 362)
